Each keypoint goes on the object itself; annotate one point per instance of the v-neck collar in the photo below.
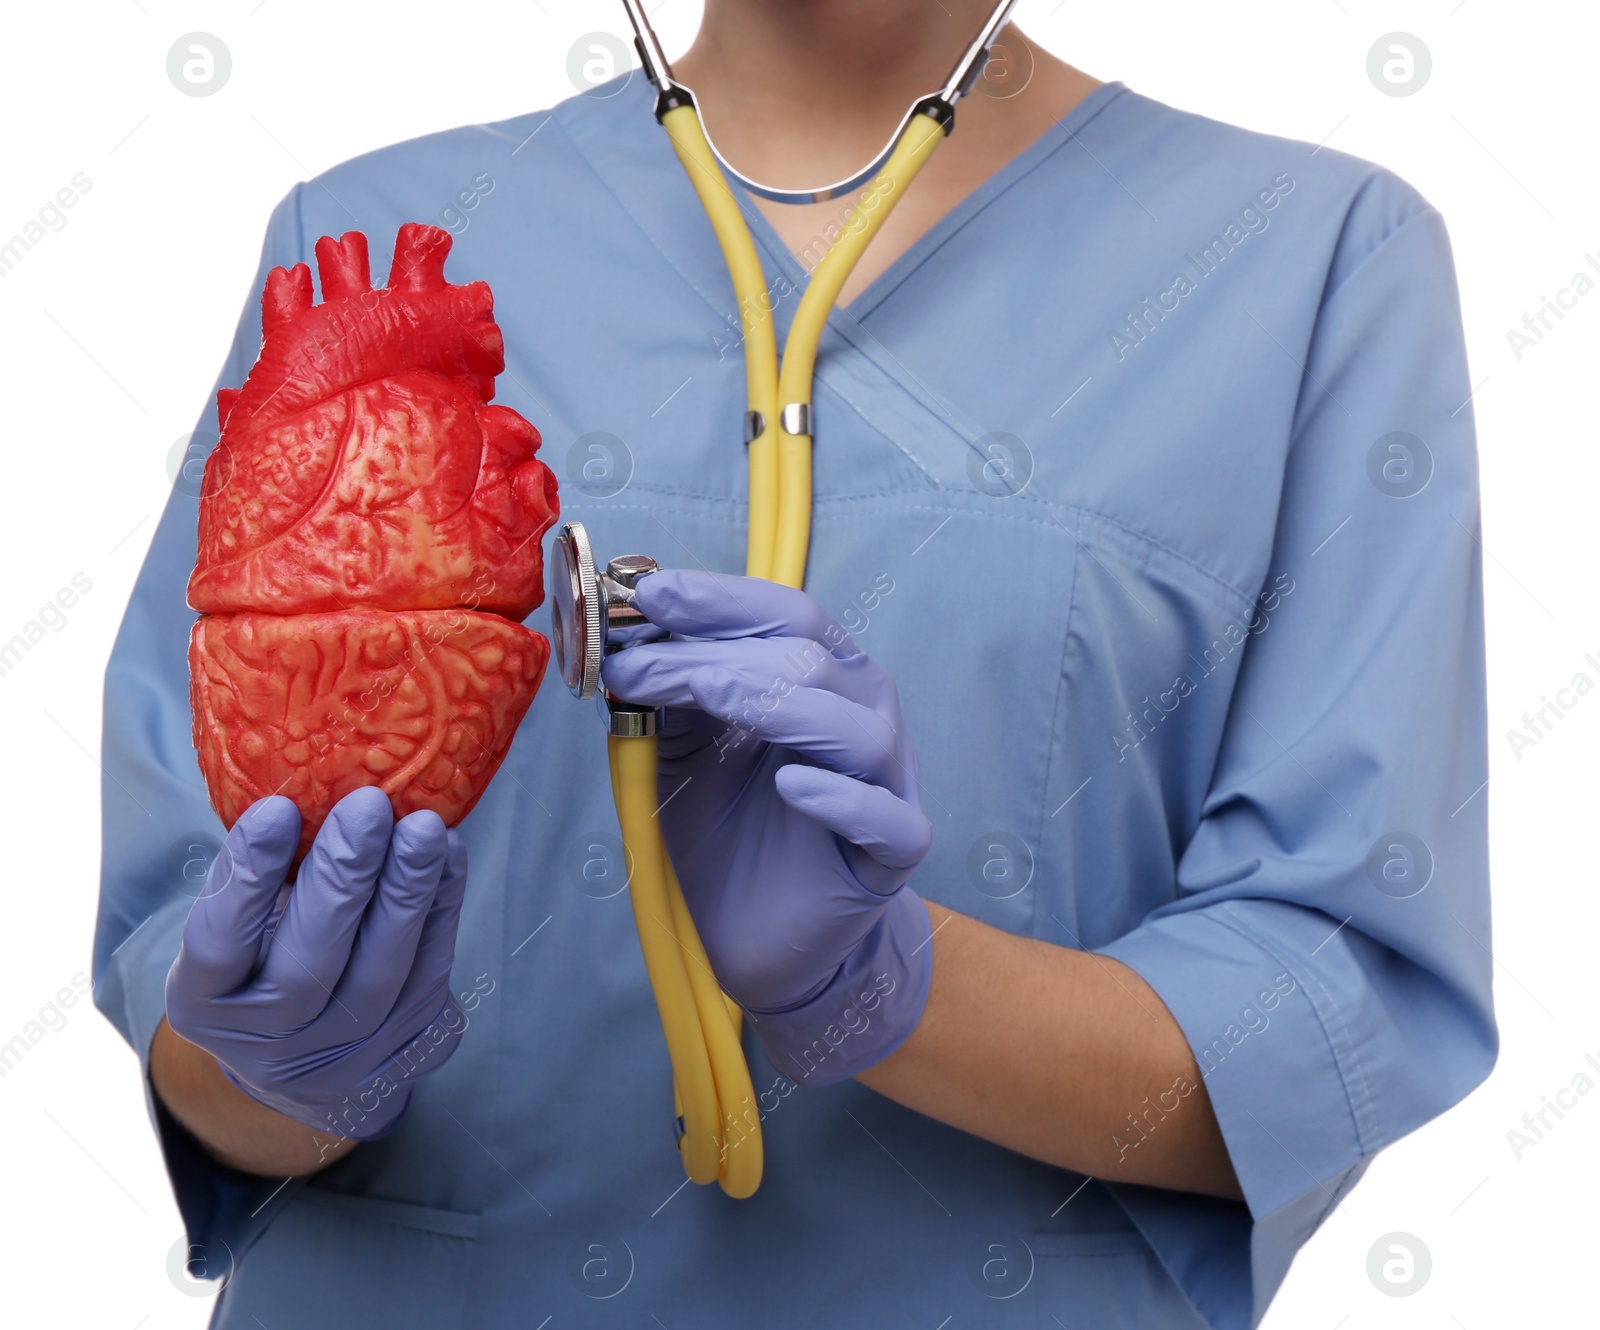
(778, 254)
(613, 129)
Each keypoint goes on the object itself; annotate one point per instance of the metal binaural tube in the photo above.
(938, 104)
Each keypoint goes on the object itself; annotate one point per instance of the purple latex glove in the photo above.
(330, 999)
(789, 807)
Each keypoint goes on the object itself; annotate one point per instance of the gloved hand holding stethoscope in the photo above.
(788, 789)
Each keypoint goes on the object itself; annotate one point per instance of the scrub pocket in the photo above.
(1128, 1288)
(965, 600)
(335, 1261)
(1042, 1281)
(1081, 1262)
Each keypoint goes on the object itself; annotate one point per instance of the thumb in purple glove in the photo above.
(330, 1005)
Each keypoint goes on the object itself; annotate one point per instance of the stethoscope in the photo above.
(592, 609)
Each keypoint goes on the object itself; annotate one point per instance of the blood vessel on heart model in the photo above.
(369, 542)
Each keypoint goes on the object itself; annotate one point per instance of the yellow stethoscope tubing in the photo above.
(755, 325)
(711, 1079)
(791, 540)
(666, 953)
(780, 462)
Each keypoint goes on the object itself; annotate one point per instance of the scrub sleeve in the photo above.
(1327, 954)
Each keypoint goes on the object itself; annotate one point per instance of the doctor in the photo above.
(1116, 833)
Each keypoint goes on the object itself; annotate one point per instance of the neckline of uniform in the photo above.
(778, 253)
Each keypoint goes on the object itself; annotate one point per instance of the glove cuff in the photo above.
(366, 1115)
(866, 1011)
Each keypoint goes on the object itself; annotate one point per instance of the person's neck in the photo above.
(797, 92)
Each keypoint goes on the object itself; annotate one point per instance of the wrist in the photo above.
(367, 1113)
(232, 1127)
(866, 1011)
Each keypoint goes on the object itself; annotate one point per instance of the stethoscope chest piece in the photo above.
(575, 620)
(592, 614)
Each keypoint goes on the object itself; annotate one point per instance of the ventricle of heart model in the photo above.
(369, 542)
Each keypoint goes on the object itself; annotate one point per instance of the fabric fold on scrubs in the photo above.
(1327, 956)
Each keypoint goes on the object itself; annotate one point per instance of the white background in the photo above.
(112, 329)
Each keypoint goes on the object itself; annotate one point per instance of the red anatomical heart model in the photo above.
(369, 540)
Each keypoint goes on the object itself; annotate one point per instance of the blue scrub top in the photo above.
(1160, 443)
